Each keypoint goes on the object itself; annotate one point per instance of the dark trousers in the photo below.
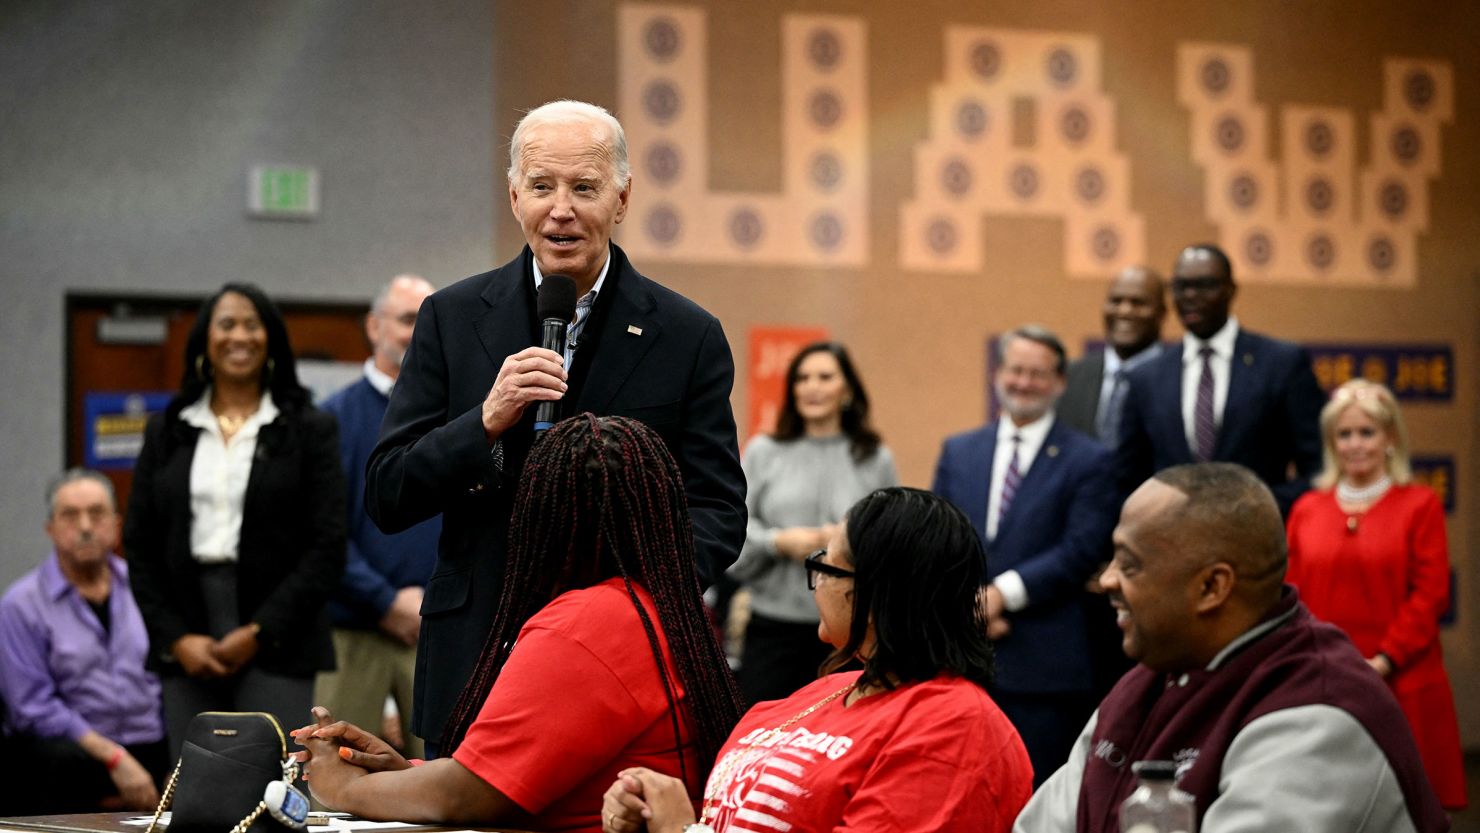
(1049, 723)
(778, 658)
(49, 776)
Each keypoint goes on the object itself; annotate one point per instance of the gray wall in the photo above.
(126, 131)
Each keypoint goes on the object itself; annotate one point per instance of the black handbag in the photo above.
(226, 764)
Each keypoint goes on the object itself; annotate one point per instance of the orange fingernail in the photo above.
(344, 752)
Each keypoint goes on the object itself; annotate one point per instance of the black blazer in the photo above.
(1271, 421)
(1080, 404)
(291, 551)
(659, 358)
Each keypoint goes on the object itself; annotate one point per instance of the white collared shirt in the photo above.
(1222, 361)
(218, 479)
(377, 378)
(1014, 593)
(583, 305)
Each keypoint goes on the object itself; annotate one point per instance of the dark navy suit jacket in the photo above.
(1271, 422)
(658, 358)
(1055, 535)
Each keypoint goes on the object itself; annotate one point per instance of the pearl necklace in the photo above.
(1347, 493)
(711, 807)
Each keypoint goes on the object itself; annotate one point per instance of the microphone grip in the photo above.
(552, 337)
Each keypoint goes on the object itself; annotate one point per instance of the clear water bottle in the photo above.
(1157, 806)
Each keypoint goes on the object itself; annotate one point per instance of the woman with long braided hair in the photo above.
(601, 656)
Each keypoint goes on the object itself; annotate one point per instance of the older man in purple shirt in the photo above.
(81, 711)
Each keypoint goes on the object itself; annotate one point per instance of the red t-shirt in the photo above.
(937, 755)
(578, 701)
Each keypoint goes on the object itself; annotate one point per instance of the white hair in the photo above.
(568, 111)
(378, 304)
(74, 475)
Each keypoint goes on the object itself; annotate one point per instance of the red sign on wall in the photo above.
(771, 350)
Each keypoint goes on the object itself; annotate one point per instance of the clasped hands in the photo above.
(336, 753)
(994, 611)
(641, 797)
(798, 542)
(204, 658)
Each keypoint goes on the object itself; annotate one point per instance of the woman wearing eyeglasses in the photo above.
(910, 743)
(823, 456)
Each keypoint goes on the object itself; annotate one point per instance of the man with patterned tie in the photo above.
(1094, 397)
(1043, 496)
(1224, 394)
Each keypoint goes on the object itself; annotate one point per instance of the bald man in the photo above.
(1274, 719)
(377, 609)
(1095, 389)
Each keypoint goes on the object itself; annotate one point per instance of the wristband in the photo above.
(115, 759)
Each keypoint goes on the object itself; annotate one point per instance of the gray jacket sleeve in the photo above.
(1311, 769)
(1054, 807)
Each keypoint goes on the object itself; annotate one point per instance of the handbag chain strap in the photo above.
(241, 826)
(164, 800)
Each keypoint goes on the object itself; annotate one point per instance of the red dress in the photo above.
(1386, 583)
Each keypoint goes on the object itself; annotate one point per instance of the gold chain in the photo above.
(231, 424)
(241, 826)
(711, 807)
(164, 800)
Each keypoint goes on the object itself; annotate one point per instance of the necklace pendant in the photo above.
(1351, 524)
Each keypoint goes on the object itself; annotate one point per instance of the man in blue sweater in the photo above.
(376, 609)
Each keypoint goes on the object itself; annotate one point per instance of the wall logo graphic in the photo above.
(820, 214)
(1315, 216)
(969, 167)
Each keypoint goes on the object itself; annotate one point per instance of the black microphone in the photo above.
(555, 306)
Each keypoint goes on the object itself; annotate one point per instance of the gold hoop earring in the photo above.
(200, 368)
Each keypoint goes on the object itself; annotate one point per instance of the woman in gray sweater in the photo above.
(823, 457)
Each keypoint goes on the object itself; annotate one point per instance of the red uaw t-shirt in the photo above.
(937, 755)
(578, 701)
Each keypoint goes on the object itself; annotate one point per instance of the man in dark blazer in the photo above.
(1043, 496)
(1094, 397)
(460, 425)
(1224, 394)
(1093, 402)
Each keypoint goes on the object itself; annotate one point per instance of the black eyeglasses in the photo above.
(1182, 286)
(815, 565)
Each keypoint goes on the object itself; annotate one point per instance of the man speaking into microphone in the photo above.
(462, 415)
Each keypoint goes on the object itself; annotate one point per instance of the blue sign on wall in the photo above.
(1438, 472)
(1415, 372)
(113, 426)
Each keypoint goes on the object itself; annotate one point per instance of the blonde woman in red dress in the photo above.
(1369, 553)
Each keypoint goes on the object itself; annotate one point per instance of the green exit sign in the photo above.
(283, 192)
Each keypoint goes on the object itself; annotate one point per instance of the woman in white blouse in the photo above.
(236, 523)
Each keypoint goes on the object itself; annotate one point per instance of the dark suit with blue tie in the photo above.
(1055, 534)
(1271, 419)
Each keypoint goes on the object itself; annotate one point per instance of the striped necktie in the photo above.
(1010, 481)
(1204, 429)
(1111, 409)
